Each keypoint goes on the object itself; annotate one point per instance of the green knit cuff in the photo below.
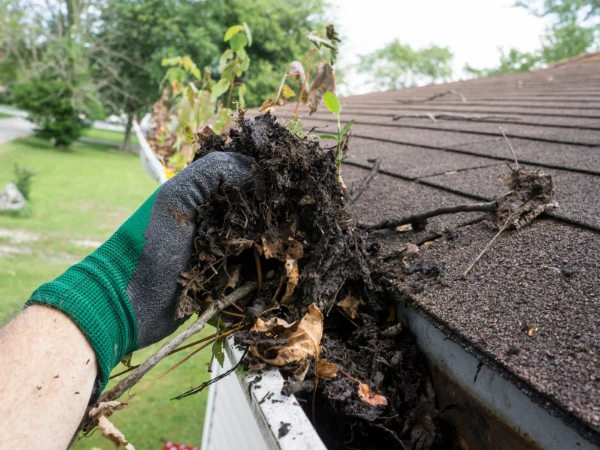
(93, 292)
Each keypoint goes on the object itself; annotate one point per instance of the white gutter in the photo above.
(150, 162)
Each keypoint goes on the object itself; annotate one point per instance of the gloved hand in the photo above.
(124, 295)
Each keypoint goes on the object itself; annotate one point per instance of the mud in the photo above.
(289, 229)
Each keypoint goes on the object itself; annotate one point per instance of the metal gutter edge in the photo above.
(503, 398)
(271, 409)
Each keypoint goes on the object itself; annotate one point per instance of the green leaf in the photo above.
(191, 93)
(347, 127)
(328, 136)
(320, 42)
(219, 89)
(332, 103)
(218, 351)
(225, 57)
(241, 93)
(248, 34)
(232, 31)
(238, 42)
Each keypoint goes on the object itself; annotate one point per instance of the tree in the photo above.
(141, 33)
(398, 65)
(52, 47)
(575, 30)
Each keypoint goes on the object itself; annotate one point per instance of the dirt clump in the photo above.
(320, 315)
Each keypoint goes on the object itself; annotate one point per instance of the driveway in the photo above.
(13, 128)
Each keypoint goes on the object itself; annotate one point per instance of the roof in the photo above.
(545, 275)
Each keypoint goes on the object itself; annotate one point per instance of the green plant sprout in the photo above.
(333, 104)
(192, 100)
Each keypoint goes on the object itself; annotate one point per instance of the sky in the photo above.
(472, 29)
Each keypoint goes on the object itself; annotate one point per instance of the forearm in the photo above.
(47, 372)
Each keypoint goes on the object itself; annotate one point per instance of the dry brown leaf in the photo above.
(369, 397)
(531, 329)
(237, 246)
(350, 304)
(292, 274)
(297, 71)
(272, 327)
(326, 369)
(295, 249)
(110, 432)
(304, 341)
(233, 280)
(273, 249)
(324, 81)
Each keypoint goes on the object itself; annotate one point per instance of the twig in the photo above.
(452, 116)
(394, 435)
(485, 249)
(511, 148)
(214, 308)
(364, 184)
(420, 218)
(258, 268)
(433, 97)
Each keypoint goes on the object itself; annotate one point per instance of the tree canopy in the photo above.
(398, 65)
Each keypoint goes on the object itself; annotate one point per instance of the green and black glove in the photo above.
(124, 295)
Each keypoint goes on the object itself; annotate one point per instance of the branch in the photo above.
(215, 308)
(433, 97)
(364, 184)
(453, 116)
(419, 219)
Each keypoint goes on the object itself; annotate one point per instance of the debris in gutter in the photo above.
(435, 96)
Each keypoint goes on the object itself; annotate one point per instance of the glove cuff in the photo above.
(93, 293)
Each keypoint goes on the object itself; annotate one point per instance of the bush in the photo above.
(50, 107)
(23, 179)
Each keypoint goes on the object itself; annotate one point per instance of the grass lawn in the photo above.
(108, 135)
(85, 193)
(4, 115)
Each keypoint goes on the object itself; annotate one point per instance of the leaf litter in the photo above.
(320, 317)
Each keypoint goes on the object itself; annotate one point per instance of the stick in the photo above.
(433, 97)
(485, 249)
(422, 217)
(215, 307)
(364, 184)
(511, 148)
(453, 116)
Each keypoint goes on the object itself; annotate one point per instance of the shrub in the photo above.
(23, 179)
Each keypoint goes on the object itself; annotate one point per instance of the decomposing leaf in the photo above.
(297, 71)
(232, 282)
(287, 92)
(531, 329)
(272, 327)
(326, 369)
(304, 340)
(324, 81)
(530, 194)
(404, 228)
(110, 432)
(369, 397)
(237, 246)
(350, 304)
(292, 274)
(267, 105)
(331, 33)
(273, 249)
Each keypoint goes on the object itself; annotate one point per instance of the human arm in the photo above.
(47, 368)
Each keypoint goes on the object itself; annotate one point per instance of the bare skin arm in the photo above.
(47, 372)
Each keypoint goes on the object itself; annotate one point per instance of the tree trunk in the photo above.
(126, 147)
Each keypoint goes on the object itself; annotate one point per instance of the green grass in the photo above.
(108, 135)
(86, 193)
(5, 116)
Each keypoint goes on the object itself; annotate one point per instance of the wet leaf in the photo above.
(326, 369)
(324, 81)
(292, 274)
(350, 304)
(304, 341)
(369, 397)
